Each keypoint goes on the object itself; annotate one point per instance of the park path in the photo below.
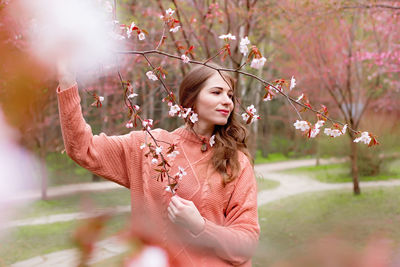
(289, 185)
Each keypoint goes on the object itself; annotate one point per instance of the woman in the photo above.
(212, 220)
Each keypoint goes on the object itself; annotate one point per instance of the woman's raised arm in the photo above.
(115, 158)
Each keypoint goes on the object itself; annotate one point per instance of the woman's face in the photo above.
(214, 103)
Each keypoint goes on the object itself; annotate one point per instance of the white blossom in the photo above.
(319, 124)
(314, 132)
(228, 36)
(344, 129)
(142, 146)
(129, 29)
(292, 83)
(332, 132)
(101, 98)
(147, 123)
(364, 138)
(154, 161)
(151, 76)
(158, 150)
(174, 110)
(302, 125)
(300, 97)
(136, 107)
(245, 116)
(141, 36)
(258, 63)
(169, 12)
(212, 140)
(173, 154)
(194, 117)
(168, 189)
(129, 125)
(185, 59)
(243, 45)
(182, 170)
(187, 112)
(175, 29)
(251, 109)
(133, 95)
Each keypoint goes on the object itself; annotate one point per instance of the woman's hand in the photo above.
(183, 212)
(65, 74)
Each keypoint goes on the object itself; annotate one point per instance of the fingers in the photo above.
(179, 201)
(171, 214)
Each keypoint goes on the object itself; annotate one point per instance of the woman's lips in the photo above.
(223, 112)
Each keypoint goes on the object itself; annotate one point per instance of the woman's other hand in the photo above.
(183, 212)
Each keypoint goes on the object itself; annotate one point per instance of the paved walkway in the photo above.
(289, 185)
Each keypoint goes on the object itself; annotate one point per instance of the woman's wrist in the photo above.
(198, 227)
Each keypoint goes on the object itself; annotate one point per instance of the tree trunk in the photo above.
(354, 166)
(43, 174)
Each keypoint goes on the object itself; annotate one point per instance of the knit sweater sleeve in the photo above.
(103, 155)
(237, 239)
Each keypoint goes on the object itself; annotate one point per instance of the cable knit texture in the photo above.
(231, 230)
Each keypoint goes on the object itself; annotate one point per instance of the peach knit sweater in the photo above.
(231, 229)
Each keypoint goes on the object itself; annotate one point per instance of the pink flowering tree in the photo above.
(353, 64)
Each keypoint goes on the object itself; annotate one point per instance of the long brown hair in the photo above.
(229, 138)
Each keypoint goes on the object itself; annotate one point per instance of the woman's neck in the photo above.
(201, 129)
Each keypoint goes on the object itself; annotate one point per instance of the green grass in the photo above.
(290, 225)
(72, 203)
(266, 184)
(340, 173)
(272, 157)
(30, 241)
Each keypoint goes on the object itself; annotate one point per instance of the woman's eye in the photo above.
(216, 93)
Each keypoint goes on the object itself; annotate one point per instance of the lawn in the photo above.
(30, 241)
(340, 173)
(290, 225)
(73, 203)
(266, 184)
